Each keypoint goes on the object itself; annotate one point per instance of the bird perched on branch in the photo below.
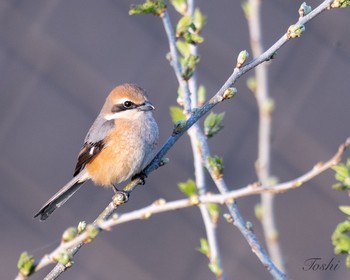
(120, 144)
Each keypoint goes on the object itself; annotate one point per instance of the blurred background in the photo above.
(58, 62)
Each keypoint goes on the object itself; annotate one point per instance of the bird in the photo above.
(119, 145)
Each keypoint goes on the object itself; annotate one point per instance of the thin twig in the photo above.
(264, 102)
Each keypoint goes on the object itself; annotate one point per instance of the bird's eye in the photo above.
(127, 104)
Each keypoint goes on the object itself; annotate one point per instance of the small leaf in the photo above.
(214, 211)
(212, 124)
(177, 114)
(189, 187)
(193, 38)
(247, 9)
(25, 264)
(201, 95)
(199, 20)
(183, 25)
(345, 209)
(183, 47)
(180, 6)
(204, 247)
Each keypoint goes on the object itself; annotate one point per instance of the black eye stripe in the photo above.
(126, 105)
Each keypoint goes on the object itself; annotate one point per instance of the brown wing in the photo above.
(87, 154)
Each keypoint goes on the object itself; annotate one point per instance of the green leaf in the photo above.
(26, 264)
(177, 114)
(183, 47)
(189, 187)
(180, 6)
(212, 124)
(345, 209)
(199, 20)
(204, 247)
(155, 7)
(183, 25)
(341, 239)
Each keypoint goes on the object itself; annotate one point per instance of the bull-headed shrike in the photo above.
(120, 144)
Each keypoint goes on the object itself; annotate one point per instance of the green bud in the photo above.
(204, 247)
(92, 232)
(229, 93)
(241, 59)
(214, 211)
(179, 127)
(64, 258)
(212, 124)
(228, 218)
(25, 264)
(340, 4)
(69, 234)
(81, 227)
(215, 268)
(295, 31)
(217, 166)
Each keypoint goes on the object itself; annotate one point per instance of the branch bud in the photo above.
(304, 9)
(229, 93)
(69, 234)
(25, 264)
(295, 31)
(241, 59)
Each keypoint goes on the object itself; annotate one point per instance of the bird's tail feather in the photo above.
(58, 199)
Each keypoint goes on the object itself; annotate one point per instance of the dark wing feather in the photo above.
(87, 154)
(94, 142)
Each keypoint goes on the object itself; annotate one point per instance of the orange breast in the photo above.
(122, 157)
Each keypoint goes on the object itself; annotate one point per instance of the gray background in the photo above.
(59, 60)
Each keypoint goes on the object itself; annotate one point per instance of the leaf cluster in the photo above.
(154, 7)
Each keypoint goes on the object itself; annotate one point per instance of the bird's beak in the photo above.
(147, 106)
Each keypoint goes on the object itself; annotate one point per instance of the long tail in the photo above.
(58, 199)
